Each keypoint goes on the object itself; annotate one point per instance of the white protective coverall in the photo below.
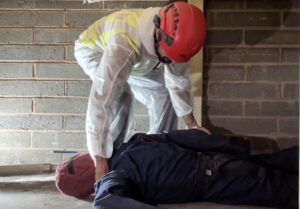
(117, 53)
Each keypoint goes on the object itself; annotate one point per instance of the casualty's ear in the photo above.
(76, 176)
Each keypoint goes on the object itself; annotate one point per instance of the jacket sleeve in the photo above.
(115, 191)
(200, 141)
(179, 86)
(109, 71)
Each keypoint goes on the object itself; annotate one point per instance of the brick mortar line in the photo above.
(65, 88)
(232, 10)
(45, 97)
(257, 117)
(244, 100)
(249, 10)
(39, 44)
(225, 46)
(42, 114)
(238, 46)
(83, 132)
(240, 116)
(34, 71)
(32, 105)
(63, 121)
(66, 52)
(42, 79)
(277, 126)
(44, 27)
(30, 62)
(39, 61)
(41, 10)
(136, 0)
(43, 148)
(271, 136)
(246, 28)
(225, 81)
(33, 36)
(249, 65)
(250, 82)
(279, 28)
(277, 64)
(41, 131)
(205, 63)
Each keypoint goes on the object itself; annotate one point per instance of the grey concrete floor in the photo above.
(39, 192)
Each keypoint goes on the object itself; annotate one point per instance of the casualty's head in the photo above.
(180, 31)
(76, 176)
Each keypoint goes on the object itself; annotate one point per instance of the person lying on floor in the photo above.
(192, 166)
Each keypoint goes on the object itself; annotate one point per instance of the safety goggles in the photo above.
(162, 59)
(158, 35)
(161, 35)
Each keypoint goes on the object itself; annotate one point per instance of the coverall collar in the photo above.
(146, 28)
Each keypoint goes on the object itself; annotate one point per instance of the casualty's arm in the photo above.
(199, 141)
(115, 191)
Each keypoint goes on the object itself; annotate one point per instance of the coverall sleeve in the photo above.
(109, 77)
(200, 141)
(115, 191)
(179, 86)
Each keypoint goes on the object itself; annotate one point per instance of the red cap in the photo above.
(186, 25)
(76, 176)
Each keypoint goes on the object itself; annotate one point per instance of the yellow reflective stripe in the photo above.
(131, 17)
(133, 43)
(105, 36)
(90, 36)
(85, 40)
(108, 34)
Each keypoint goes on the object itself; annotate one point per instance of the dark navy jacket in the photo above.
(161, 168)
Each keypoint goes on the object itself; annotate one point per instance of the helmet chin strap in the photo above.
(161, 34)
(162, 59)
(158, 34)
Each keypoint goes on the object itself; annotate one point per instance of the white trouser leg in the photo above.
(150, 90)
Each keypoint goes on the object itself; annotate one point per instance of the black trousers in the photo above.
(269, 180)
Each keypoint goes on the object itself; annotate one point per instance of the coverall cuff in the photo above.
(97, 147)
(184, 112)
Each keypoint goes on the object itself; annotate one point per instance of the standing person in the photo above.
(144, 53)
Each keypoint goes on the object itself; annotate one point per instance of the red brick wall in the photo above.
(251, 68)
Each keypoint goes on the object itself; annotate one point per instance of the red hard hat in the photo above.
(185, 26)
(76, 176)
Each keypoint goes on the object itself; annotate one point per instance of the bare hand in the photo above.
(101, 167)
(191, 122)
(202, 129)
